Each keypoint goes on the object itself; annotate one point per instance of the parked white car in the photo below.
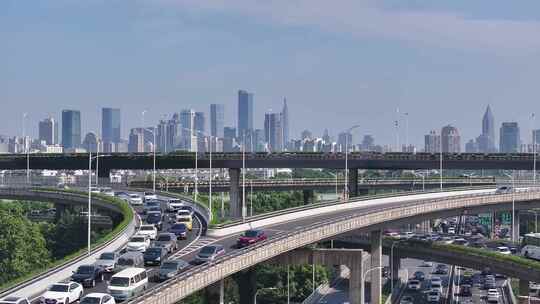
(138, 242)
(135, 199)
(97, 298)
(62, 293)
(149, 230)
(503, 250)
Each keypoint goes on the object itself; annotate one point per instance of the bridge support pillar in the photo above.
(523, 287)
(515, 226)
(376, 261)
(214, 293)
(247, 285)
(60, 211)
(353, 182)
(235, 195)
(309, 195)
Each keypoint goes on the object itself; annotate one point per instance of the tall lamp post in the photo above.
(154, 157)
(513, 205)
(258, 290)
(90, 158)
(440, 161)
(534, 150)
(347, 132)
(26, 150)
(363, 278)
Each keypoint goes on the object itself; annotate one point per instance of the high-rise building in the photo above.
(509, 141)
(110, 125)
(199, 123)
(48, 131)
(451, 141)
(217, 120)
(229, 135)
(187, 120)
(432, 142)
(245, 112)
(90, 142)
(326, 136)
(285, 122)
(471, 146)
(486, 140)
(136, 140)
(368, 143)
(306, 134)
(71, 129)
(273, 131)
(258, 140)
(536, 137)
(345, 142)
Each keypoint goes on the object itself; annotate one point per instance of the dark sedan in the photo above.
(156, 219)
(88, 275)
(180, 230)
(251, 237)
(154, 255)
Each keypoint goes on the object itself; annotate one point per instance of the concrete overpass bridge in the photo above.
(293, 230)
(356, 160)
(324, 184)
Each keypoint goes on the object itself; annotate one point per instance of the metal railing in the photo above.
(206, 274)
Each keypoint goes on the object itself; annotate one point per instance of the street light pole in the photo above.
(258, 290)
(534, 151)
(440, 161)
(89, 198)
(244, 178)
(26, 150)
(363, 278)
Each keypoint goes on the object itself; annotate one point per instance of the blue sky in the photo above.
(338, 63)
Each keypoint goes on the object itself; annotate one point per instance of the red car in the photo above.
(251, 237)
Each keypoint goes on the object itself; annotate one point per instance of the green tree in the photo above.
(22, 246)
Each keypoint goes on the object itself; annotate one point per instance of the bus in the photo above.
(530, 247)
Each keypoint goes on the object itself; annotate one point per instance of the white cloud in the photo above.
(367, 19)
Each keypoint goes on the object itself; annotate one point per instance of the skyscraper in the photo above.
(217, 120)
(509, 138)
(245, 112)
(486, 140)
(285, 122)
(136, 140)
(432, 142)
(229, 135)
(110, 125)
(90, 142)
(451, 141)
(71, 129)
(273, 131)
(48, 131)
(187, 123)
(344, 142)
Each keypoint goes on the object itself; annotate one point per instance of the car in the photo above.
(166, 240)
(433, 296)
(154, 255)
(493, 295)
(171, 268)
(150, 196)
(62, 293)
(490, 283)
(451, 230)
(155, 218)
(107, 261)
(179, 229)
(209, 254)
(504, 190)
(188, 209)
(406, 300)
(149, 204)
(128, 283)
(414, 285)
(426, 264)
(461, 242)
(97, 298)
(129, 259)
(14, 300)
(251, 237)
(135, 199)
(138, 242)
(148, 230)
(446, 240)
(183, 216)
(441, 269)
(174, 204)
(503, 250)
(94, 190)
(465, 290)
(419, 275)
(107, 191)
(436, 286)
(88, 275)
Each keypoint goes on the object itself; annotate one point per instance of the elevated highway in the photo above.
(297, 229)
(360, 160)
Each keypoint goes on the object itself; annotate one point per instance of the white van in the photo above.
(128, 283)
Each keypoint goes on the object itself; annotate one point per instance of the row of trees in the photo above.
(26, 246)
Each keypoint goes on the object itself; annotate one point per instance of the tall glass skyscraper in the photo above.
(110, 125)
(217, 120)
(486, 141)
(273, 131)
(245, 112)
(48, 131)
(285, 123)
(71, 129)
(509, 137)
